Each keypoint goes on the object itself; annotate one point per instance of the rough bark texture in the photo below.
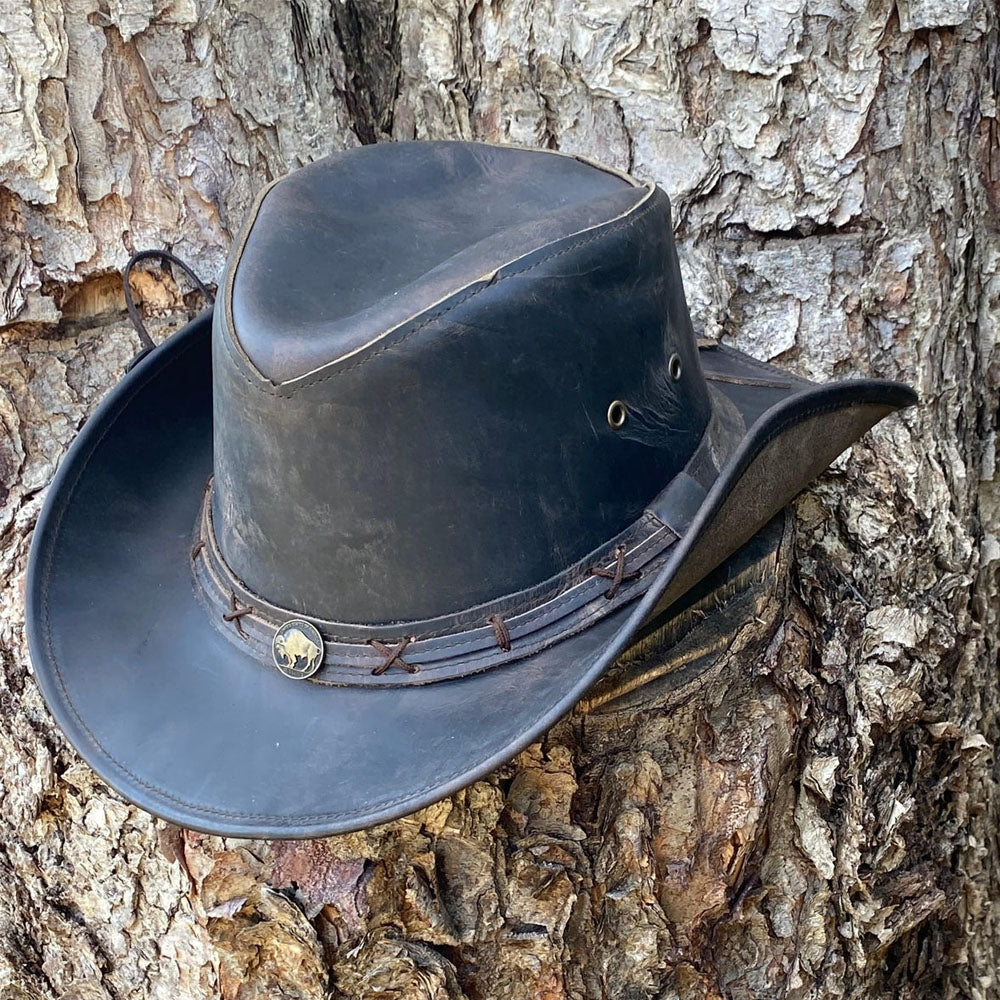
(819, 820)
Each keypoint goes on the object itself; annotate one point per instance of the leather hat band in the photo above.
(450, 646)
(477, 638)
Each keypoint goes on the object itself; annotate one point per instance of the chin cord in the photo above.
(133, 311)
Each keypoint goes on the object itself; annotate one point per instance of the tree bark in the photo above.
(811, 812)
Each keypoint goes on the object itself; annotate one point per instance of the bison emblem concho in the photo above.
(298, 649)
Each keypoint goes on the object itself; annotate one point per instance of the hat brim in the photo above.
(192, 728)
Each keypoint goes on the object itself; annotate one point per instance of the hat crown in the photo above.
(337, 255)
(444, 372)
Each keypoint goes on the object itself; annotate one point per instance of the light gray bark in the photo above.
(819, 820)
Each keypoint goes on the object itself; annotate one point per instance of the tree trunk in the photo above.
(807, 811)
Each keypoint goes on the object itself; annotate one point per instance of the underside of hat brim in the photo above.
(189, 726)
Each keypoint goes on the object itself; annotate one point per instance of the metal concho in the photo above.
(297, 649)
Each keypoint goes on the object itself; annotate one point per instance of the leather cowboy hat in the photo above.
(444, 448)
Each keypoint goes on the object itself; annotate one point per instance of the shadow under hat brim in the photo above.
(191, 727)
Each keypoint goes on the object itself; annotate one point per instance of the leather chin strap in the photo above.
(479, 638)
(133, 310)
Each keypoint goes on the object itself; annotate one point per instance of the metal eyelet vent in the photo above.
(617, 413)
(674, 367)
